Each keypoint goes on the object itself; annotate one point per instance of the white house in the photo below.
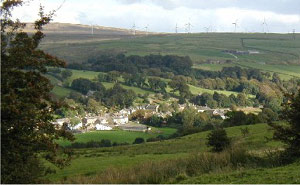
(102, 127)
(121, 120)
(77, 127)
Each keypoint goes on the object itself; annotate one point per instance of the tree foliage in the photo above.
(218, 140)
(26, 105)
(290, 132)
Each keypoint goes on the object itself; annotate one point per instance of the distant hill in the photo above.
(78, 33)
(60, 28)
(269, 52)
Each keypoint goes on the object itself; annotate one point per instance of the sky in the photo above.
(280, 16)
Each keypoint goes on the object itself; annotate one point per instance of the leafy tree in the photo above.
(93, 106)
(290, 133)
(118, 96)
(218, 140)
(66, 74)
(82, 85)
(163, 107)
(188, 117)
(154, 120)
(241, 99)
(112, 76)
(102, 77)
(139, 140)
(276, 79)
(267, 115)
(27, 134)
(156, 84)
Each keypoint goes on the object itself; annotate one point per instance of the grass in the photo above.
(277, 51)
(63, 92)
(288, 174)
(200, 46)
(118, 136)
(93, 161)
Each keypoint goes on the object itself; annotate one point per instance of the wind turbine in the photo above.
(133, 29)
(92, 29)
(264, 24)
(188, 27)
(206, 29)
(176, 28)
(146, 28)
(294, 34)
(235, 25)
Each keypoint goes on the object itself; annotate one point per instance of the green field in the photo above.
(278, 52)
(279, 175)
(118, 136)
(63, 92)
(92, 161)
(199, 47)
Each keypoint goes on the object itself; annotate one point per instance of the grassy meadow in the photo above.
(277, 175)
(88, 162)
(118, 136)
(278, 52)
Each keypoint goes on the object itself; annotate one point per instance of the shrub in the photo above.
(139, 140)
(218, 140)
(245, 131)
(92, 144)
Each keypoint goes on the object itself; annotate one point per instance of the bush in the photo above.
(139, 140)
(218, 140)
(245, 131)
(153, 139)
(93, 144)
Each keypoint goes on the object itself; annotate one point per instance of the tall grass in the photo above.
(172, 170)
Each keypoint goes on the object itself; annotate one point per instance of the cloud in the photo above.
(163, 15)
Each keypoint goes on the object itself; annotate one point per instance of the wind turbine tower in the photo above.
(294, 34)
(188, 27)
(133, 29)
(92, 29)
(176, 28)
(265, 26)
(206, 29)
(235, 25)
(146, 28)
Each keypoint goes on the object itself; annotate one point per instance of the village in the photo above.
(121, 119)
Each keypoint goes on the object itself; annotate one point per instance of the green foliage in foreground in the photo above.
(289, 174)
(118, 136)
(88, 162)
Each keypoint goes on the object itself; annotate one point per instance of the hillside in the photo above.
(61, 91)
(66, 33)
(272, 52)
(89, 162)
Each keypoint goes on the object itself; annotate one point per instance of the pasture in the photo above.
(88, 162)
(278, 175)
(277, 52)
(118, 136)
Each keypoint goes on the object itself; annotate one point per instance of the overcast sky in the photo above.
(163, 15)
